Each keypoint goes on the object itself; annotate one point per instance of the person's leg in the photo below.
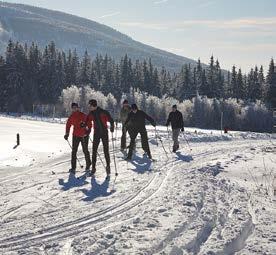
(145, 142)
(84, 143)
(96, 142)
(175, 134)
(75, 145)
(123, 138)
(133, 135)
(106, 151)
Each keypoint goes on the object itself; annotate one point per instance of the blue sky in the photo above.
(240, 32)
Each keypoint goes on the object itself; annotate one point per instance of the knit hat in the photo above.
(125, 101)
(74, 105)
(174, 106)
(93, 102)
(134, 107)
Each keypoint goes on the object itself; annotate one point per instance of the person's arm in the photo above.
(128, 119)
(150, 119)
(111, 121)
(67, 128)
(169, 119)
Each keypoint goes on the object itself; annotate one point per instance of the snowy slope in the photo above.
(214, 199)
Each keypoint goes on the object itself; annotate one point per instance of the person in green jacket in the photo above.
(123, 117)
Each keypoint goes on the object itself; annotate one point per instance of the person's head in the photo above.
(125, 103)
(93, 104)
(74, 107)
(174, 108)
(134, 108)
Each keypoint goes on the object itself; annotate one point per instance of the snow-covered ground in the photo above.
(218, 198)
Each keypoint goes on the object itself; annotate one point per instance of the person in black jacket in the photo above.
(136, 123)
(177, 123)
(99, 118)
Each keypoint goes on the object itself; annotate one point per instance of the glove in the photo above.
(82, 125)
(182, 129)
(112, 129)
(66, 137)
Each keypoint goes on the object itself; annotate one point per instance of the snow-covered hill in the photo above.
(31, 24)
(217, 198)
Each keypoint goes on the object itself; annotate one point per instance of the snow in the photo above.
(217, 198)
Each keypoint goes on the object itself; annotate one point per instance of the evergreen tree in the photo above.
(271, 84)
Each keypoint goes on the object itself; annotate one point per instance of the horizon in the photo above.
(235, 38)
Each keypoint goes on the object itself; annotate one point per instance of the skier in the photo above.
(123, 117)
(100, 118)
(135, 124)
(177, 123)
(80, 135)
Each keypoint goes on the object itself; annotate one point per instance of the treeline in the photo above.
(30, 76)
(199, 112)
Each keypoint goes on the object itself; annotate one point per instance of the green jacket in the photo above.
(124, 113)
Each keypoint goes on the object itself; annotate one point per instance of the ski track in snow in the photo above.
(190, 203)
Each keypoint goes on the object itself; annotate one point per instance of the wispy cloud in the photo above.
(109, 15)
(264, 24)
(160, 1)
(150, 26)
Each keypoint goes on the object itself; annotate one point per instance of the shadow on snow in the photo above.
(141, 165)
(72, 182)
(181, 157)
(97, 190)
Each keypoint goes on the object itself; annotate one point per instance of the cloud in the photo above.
(260, 24)
(109, 15)
(160, 1)
(151, 26)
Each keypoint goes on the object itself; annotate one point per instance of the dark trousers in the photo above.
(75, 145)
(144, 140)
(123, 138)
(96, 141)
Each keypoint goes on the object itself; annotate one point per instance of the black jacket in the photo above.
(176, 120)
(100, 117)
(137, 121)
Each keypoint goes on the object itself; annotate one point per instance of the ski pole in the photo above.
(98, 154)
(81, 166)
(169, 139)
(114, 158)
(187, 141)
(161, 143)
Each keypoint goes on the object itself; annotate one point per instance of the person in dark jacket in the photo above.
(80, 135)
(136, 123)
(100, 117)
(177, 123)
(123, 117)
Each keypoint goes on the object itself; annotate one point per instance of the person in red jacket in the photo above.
(100, 117)
(80, 135)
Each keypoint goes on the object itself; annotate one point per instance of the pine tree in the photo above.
(271, 84)
(234, 85)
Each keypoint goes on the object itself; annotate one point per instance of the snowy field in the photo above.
(218, 198)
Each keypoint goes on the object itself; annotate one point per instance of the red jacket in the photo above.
(104, 117)
(76, 119)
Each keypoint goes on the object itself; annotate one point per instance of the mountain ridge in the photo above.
(27, 24)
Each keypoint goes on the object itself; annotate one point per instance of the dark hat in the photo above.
(174, 106)
(74, 105)
(93, 102)
(125, 101)
(134, 107)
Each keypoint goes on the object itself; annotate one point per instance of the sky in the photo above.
(237, 32)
